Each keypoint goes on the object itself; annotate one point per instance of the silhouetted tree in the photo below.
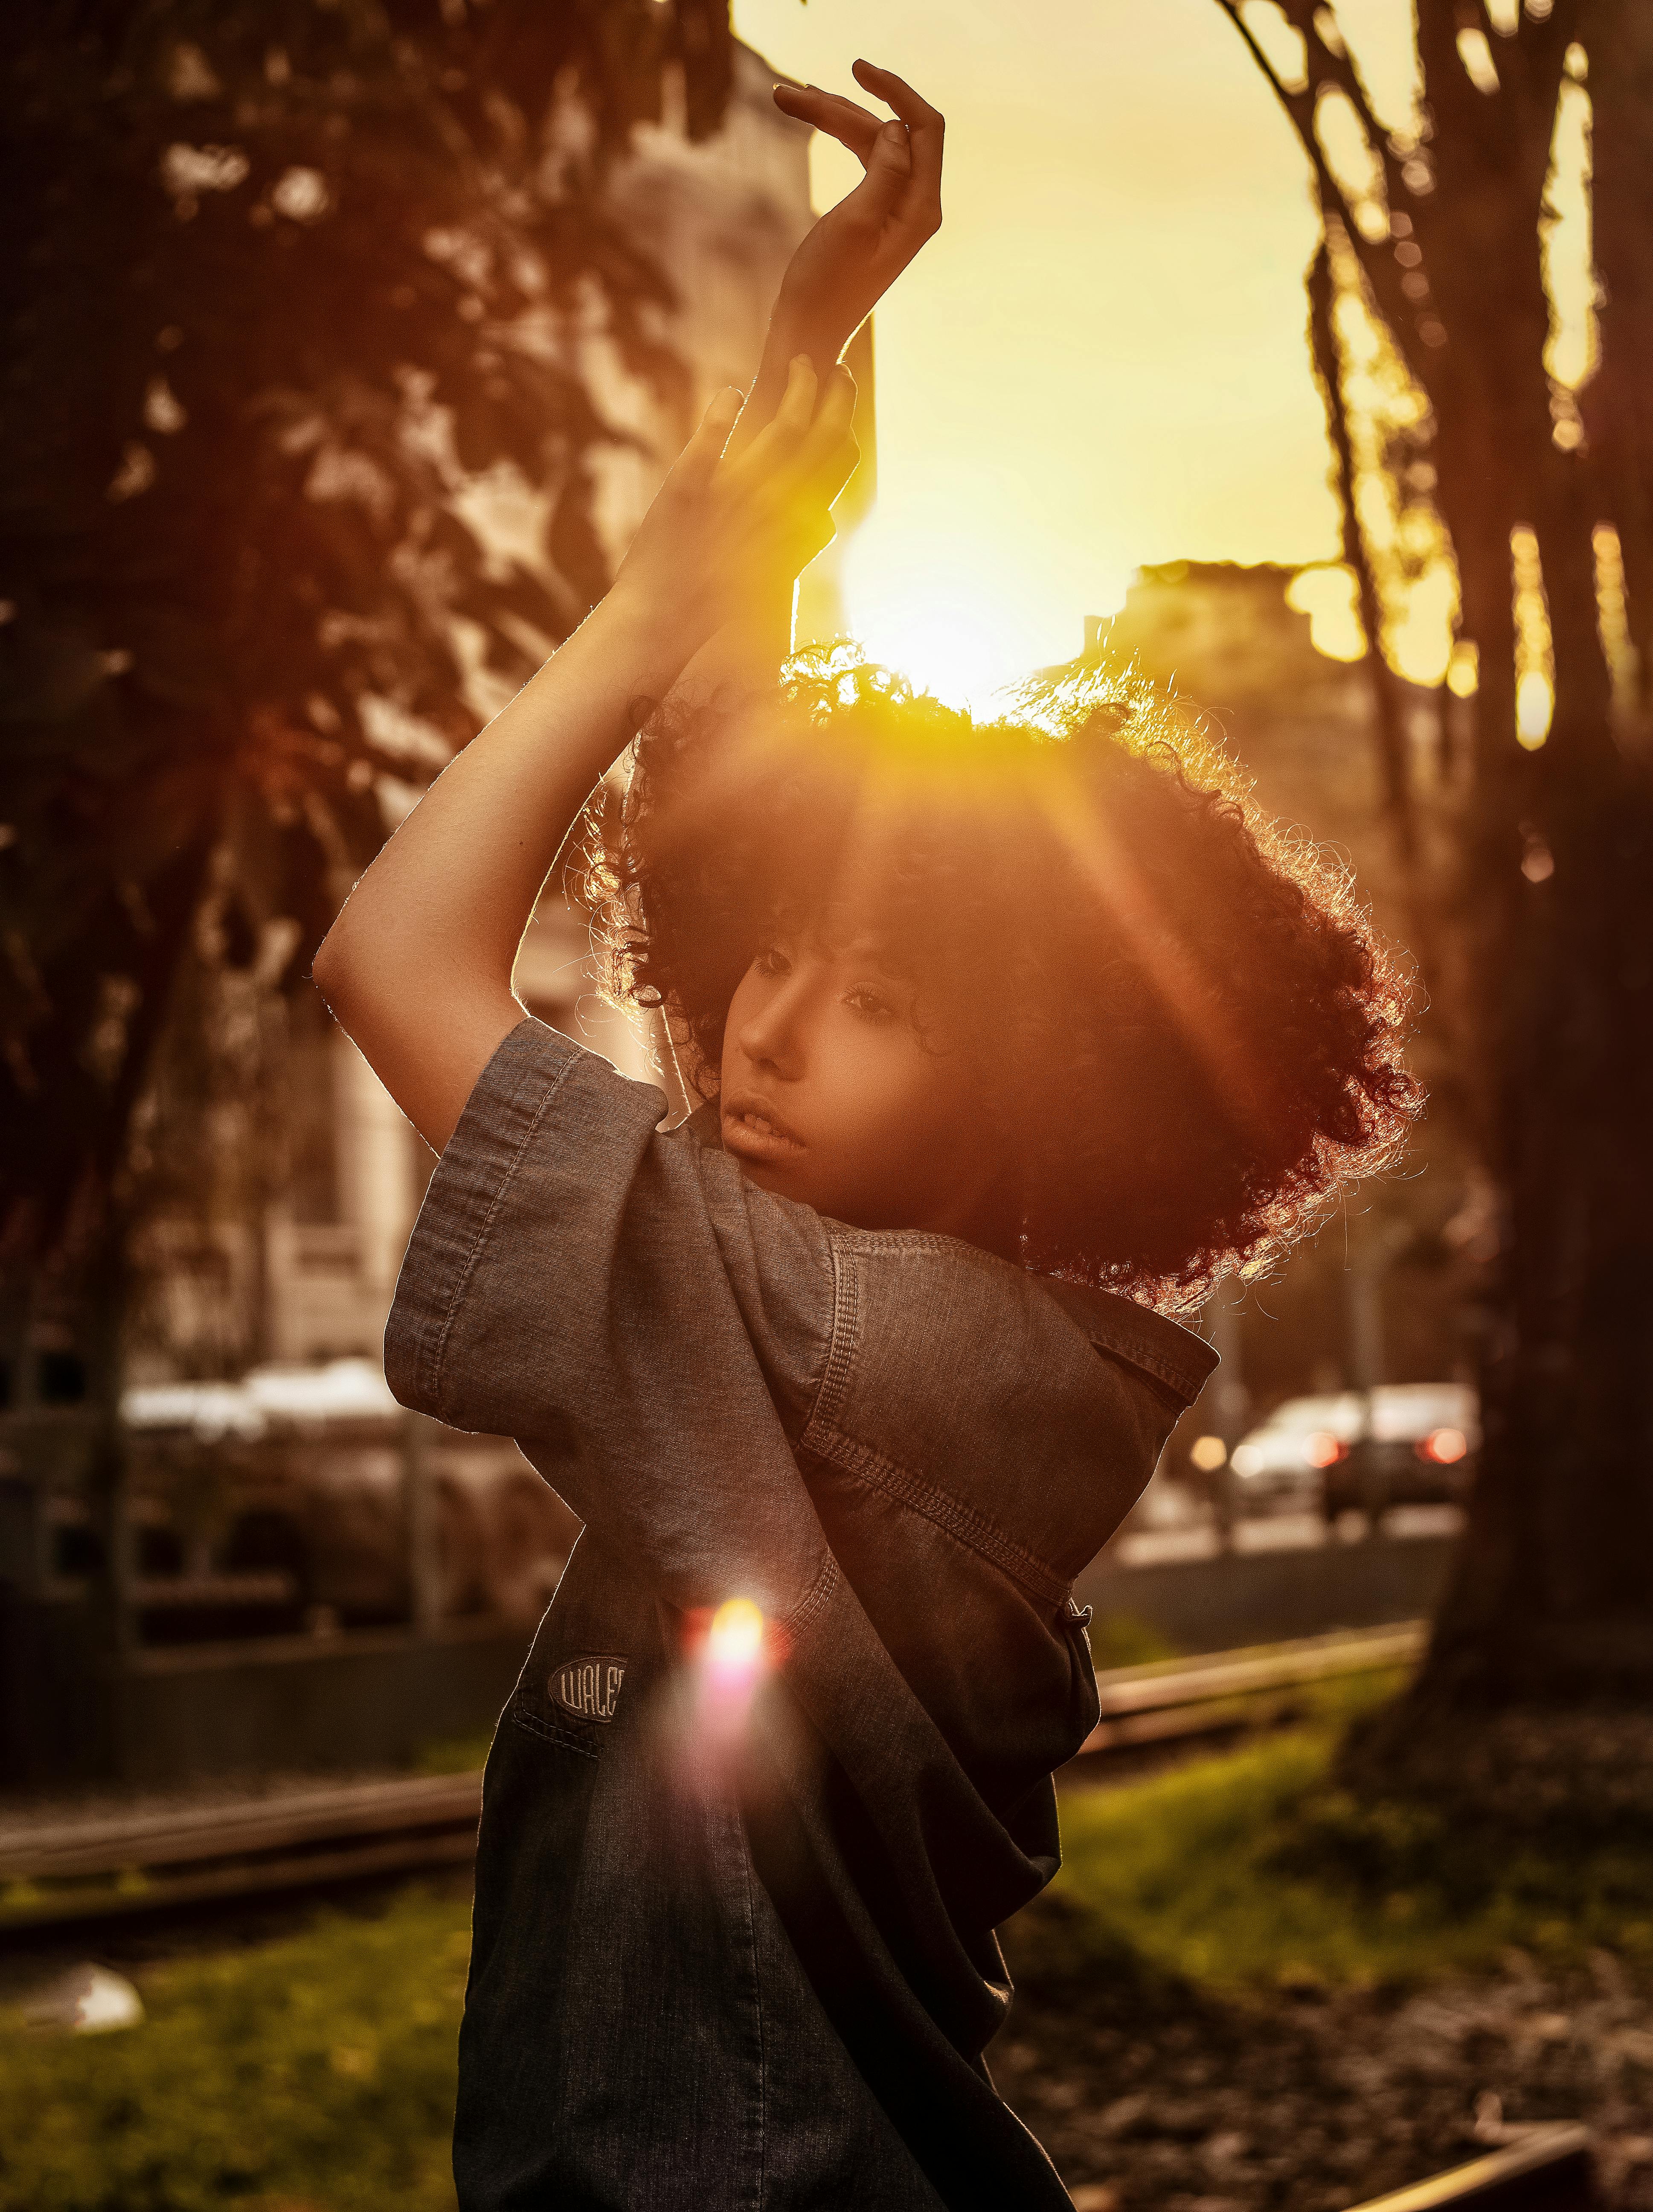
(1553, 1601)
(282, 276)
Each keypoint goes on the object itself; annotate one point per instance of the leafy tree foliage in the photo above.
(286, 276)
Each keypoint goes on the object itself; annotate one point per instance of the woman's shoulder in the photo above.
(1021, 1416)
(924, 1284)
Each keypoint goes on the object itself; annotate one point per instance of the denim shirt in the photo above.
(734, 1931)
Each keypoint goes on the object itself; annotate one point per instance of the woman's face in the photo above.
(831, 1095)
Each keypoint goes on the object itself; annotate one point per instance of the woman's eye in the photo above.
(868, 1002)
(772, 962)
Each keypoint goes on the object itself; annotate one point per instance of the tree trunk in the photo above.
(1531, 1711)
(1534, 1693)
(1553, 1600)
(1327, 357)
(1618, 402)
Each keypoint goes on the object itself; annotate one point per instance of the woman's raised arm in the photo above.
(841, 269)
(418, 966)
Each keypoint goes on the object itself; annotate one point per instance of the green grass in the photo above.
(454, 1754)
(1121, 1639)
(314, 2074)
(1253, 1868)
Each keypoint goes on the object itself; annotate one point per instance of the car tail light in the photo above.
(1324, 1450)
(1442, 1447)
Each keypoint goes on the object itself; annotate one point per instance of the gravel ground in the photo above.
(1313, 2100)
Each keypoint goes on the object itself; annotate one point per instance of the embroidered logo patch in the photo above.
(588, 1687)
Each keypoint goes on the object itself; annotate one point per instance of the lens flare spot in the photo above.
(734, 1641)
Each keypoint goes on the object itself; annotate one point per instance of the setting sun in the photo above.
(1100, 363)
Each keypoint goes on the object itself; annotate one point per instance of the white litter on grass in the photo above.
(87, 2001)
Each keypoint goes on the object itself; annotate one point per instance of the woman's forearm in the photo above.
(418, 966)
(794, 329)
(752, 648)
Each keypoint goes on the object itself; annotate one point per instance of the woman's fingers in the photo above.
(926, 125)
(914, 157)
(889, 172)
(822, 448)
(808, 447)
(797, 406)
(843, 119)
(830, 453)
(895, 92)
(696, 464)
(780, 438)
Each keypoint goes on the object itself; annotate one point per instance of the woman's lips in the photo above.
(752, 1128)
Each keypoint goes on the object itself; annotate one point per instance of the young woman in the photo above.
(1009, 1037)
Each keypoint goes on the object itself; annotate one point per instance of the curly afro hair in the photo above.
(1184, 1033)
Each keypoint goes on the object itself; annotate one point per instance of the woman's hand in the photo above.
(728, 528)
(839, 274)
(858, 249)
(419, 966)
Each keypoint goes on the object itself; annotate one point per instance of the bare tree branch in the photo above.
(1391, 737)
(1299, 106)
(1331, 68)
(1377, 258)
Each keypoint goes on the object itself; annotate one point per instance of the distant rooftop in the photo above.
(1274, 574)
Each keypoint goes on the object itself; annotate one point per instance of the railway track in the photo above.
(1201, 1697)
(1547, 2170)
(94, 1869)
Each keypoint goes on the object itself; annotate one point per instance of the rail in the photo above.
(1178, 1697)
(94, 1868)
(1548, 2170)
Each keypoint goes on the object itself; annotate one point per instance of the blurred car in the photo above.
(282, 1500)
(1403, 1444)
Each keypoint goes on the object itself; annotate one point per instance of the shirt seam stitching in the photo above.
(550, 1730)
(757, 2013)
(1174, 1378)
(439, 1352)
(1126, 1345)
(846, 1314)
(817, 1597)
(949, 1513)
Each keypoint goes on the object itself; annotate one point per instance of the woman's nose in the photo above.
(772, 1036)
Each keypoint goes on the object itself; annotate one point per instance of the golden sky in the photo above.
(1101, 359)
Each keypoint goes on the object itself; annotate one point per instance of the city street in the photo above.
(1196, 1538)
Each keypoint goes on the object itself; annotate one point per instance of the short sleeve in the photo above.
(652, 1328)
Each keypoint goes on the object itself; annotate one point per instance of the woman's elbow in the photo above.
(335, 969)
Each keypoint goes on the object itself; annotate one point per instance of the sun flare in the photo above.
(736, 1638)
(945, 613)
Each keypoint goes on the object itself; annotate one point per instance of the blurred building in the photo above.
(723, 218)
(1228, 638)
